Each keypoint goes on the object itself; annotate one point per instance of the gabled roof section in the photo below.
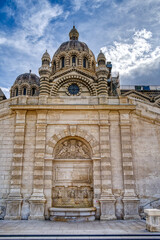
(143, 97)
(2, 96)
(136, 94)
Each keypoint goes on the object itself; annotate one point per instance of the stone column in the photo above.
(107, 199)
(130, 199)
(38, 199)
(14, 200)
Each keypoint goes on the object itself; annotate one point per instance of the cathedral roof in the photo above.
(27, 77)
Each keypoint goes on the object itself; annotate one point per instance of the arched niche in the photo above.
(72, 174)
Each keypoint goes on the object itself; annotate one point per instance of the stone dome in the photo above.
(73, 45)
(29, 78)
(73, 53)
(26, 84)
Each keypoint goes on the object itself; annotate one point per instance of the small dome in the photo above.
(73, 35)
(101, 59)
(46, 55)
(26, 84)
(101, 56)
(30, 78)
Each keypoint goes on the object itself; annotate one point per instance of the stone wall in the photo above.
(6, 153)
(146, 158)
(124, 139)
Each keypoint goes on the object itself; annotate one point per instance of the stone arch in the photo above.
(27, 86)
(13, 90)
(57, 58)
(74, 132)
(88, 57)
(37, 89)
(76, 78)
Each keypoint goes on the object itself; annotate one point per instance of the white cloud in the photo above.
(33, 20)
(2, 40)
(143, 34)
(36, 20)
(128, 57)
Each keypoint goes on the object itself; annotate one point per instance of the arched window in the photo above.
(74, 60)
(62, 62)
(54, 66)
(85, 62)
(93, 66)
(16, 92)
(33, 91)
(24, 91)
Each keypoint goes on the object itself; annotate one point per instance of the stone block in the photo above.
(152, 220)
(107, 207)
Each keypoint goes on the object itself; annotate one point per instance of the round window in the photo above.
(73, 89)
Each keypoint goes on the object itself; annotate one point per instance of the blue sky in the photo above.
(127, 31)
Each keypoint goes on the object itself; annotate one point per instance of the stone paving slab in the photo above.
(96, 227)
(47, 230)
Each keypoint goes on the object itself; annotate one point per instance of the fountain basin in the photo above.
(72, 214)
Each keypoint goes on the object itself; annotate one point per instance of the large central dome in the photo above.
(74, 44)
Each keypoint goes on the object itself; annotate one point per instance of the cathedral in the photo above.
(73, 146)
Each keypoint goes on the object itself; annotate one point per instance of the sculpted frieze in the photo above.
(72, 196)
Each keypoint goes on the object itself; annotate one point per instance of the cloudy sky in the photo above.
(127, 31)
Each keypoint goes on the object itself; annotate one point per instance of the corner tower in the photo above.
(44, 72)
(102, 74)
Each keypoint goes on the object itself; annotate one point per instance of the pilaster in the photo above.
(37, 199)
(14, 200)
(117, 172)
(107, 199)
(130, 198)
(97, 184)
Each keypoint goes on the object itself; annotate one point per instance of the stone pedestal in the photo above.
(37, 208)
(152, 220)
(131, 205)
(14, 205)
(107, 208)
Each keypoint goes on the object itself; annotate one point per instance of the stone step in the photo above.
(82, 237)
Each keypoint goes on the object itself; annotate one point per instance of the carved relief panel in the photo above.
(72, 196)
(71, 149)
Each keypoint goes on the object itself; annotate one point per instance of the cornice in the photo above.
(68, 107)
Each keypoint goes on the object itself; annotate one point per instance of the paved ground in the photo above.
(96, 227)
